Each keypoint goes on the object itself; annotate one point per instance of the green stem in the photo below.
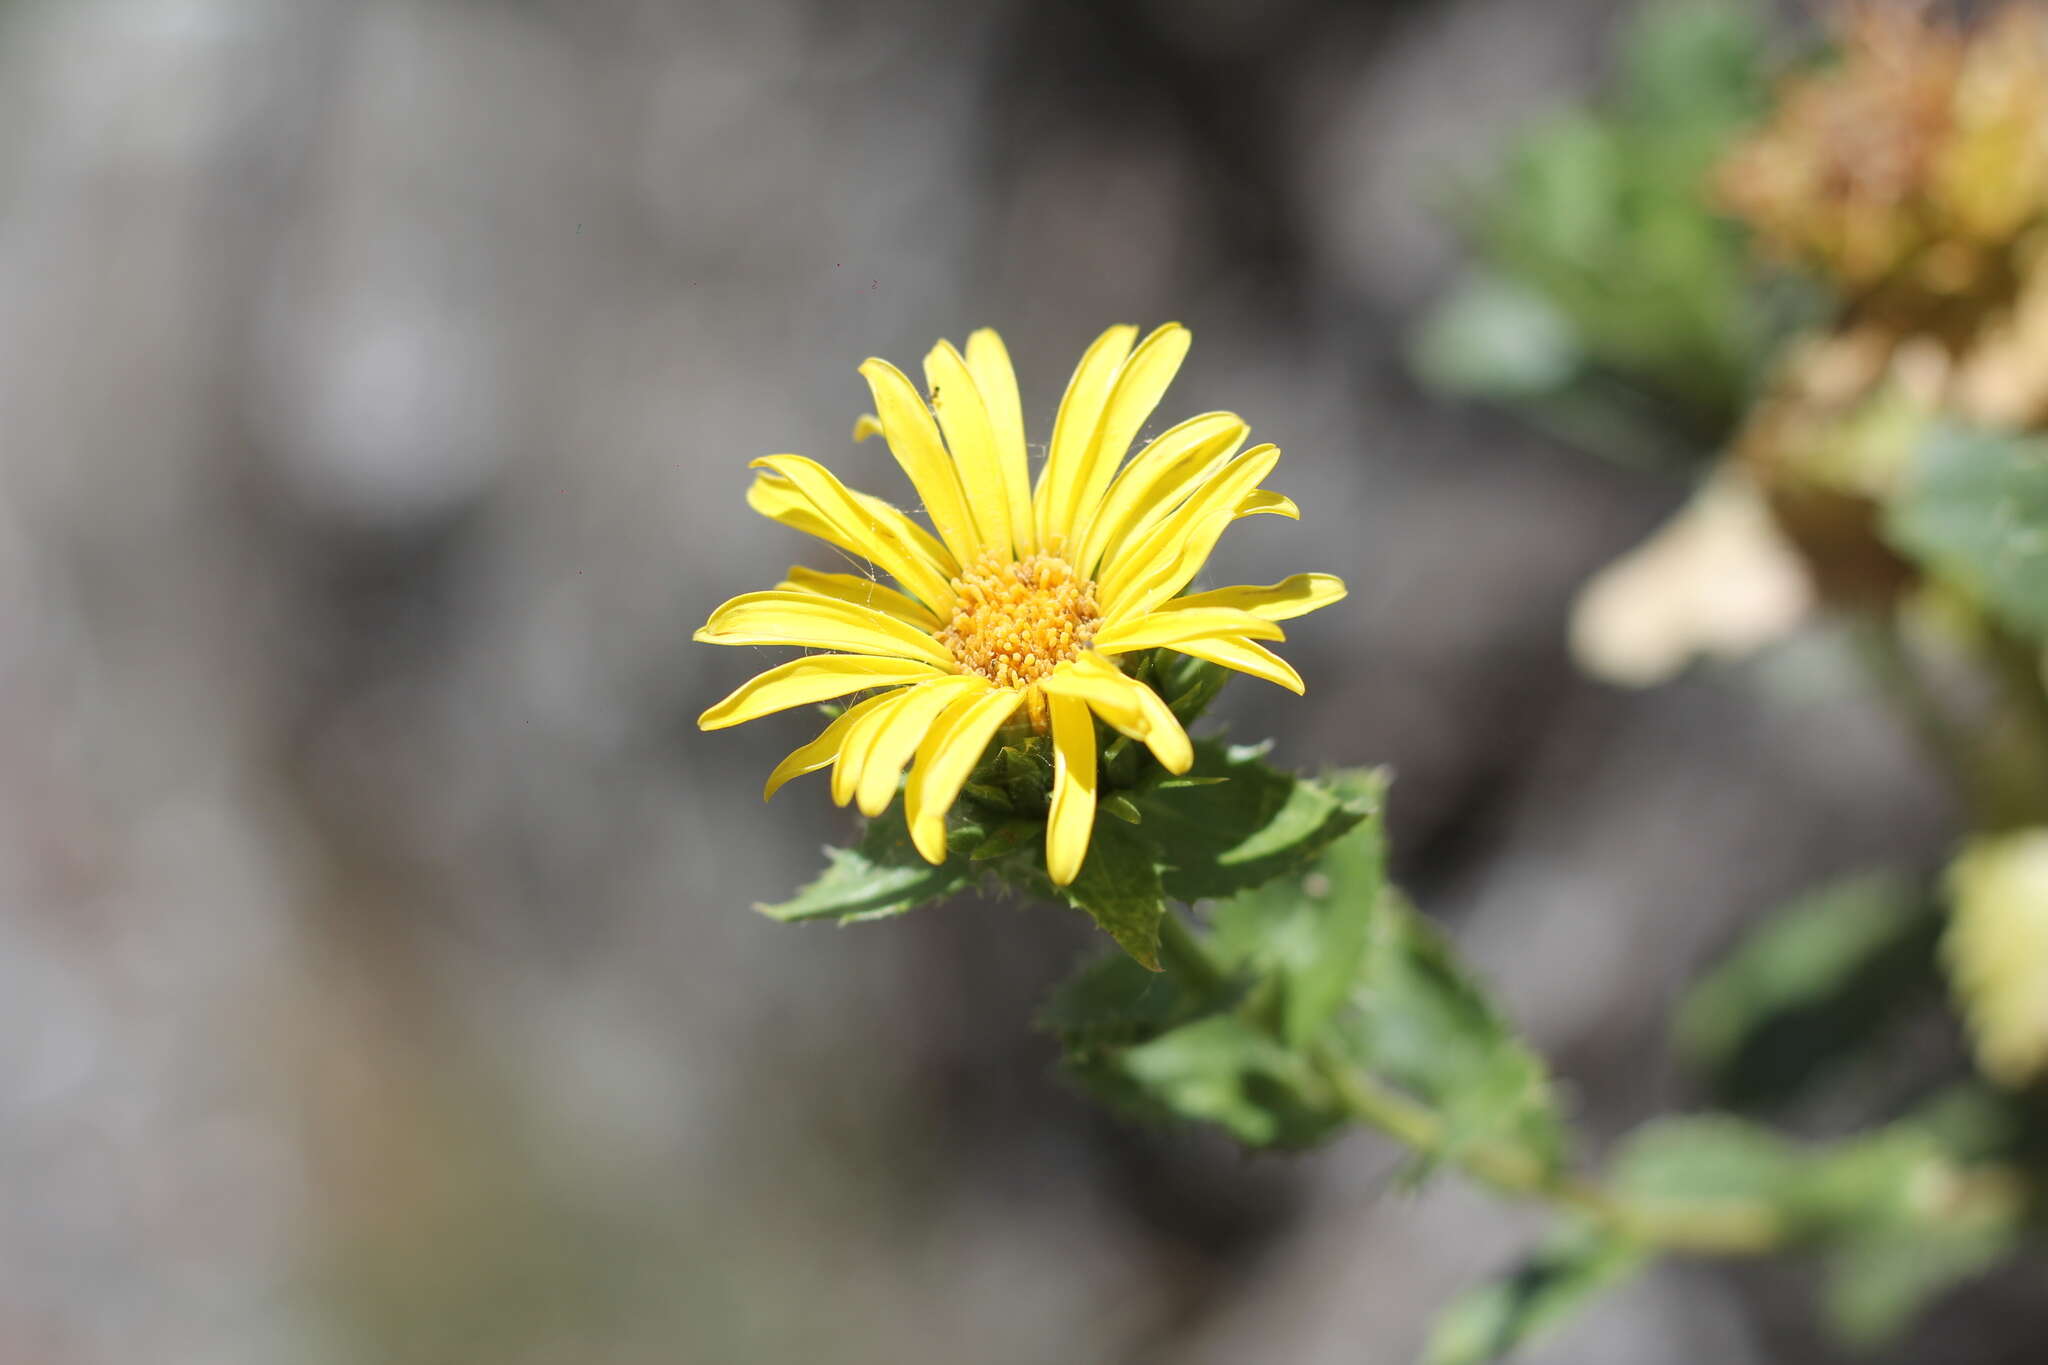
(1717, 1228)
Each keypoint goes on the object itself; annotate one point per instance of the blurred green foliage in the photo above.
(1610, 303)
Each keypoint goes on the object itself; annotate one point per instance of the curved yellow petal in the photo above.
(1072, 819)
(914, 440)
(1160, 565)
(1140, 383)
(813, 678)
(1265, 502)
(1127, 706)
(1282, 601)
(1158, 477)
(970, 435)
(809, 621)
(1073, 432)
(897, 738)
(1167, 628)
(990, 361)
(866, 425)
(859, 741)
(1245, 657)
(825, 748)
(945, 758)
(865, 525)
(863, 592)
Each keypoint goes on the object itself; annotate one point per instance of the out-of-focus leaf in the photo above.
(1895, 1217)
(1495, 1319)
(1812, 983)
(1974, 508)
(1695, 61)
(1421, 1023)
(1493, 338)
(1307, 936)
(1905, 1224)
(1219, 838)
(1119, 888)
(1225, 1071)
(1638, 323)
(883, 875)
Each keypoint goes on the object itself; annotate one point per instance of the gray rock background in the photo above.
(377, 981)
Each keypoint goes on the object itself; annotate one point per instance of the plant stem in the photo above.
(1716, 1228)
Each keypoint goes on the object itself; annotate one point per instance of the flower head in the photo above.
(1017, 607)
(1916, 160)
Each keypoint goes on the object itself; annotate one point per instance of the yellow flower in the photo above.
(1997, 950)
(1020, 607)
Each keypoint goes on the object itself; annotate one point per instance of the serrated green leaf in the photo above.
(1223, 1070)
(1421, 1023)
(1307, 935)
(881, 876)
(1497, 1318)
(1220, 838)
(1974, 507)
(1119, 888)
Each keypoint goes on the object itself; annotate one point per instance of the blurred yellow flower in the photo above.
(1916, 160)
(1997, 949)
(1018, 609)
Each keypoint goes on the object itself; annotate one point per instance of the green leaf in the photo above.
(1422, 1024)
(1812, 984)
(1497, 1318)
(1974, 508)
(1223, 837)
(1906, 1224)
(1225, 1071)
(1307, 935)
(1494, 338)
(1709, 1159)
(883, 875)
(1119, 888)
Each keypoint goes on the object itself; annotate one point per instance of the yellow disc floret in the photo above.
(1016, 620)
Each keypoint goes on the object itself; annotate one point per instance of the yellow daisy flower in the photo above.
(1019, 608)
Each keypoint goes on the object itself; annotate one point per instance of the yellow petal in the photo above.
(1158, 477)
(897, 737)
(866, 425)
(868, 527)
(1126, 705)
(811, 622)
(860, 740)
(1073, 431)
(777, 499)
(1282, 601)
(824, 748)
(914, 440)
(1140, 384)
(945, 759)
(1265, 502)
(1167, 628)
(814, 678)
(1245, 657)
(1140, 578)
(970, 435)
(865, 592)
(1072, 818)
(990, 362)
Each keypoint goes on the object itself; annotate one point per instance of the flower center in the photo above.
(1015, 621)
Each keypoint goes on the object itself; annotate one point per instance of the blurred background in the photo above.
(377, 977)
